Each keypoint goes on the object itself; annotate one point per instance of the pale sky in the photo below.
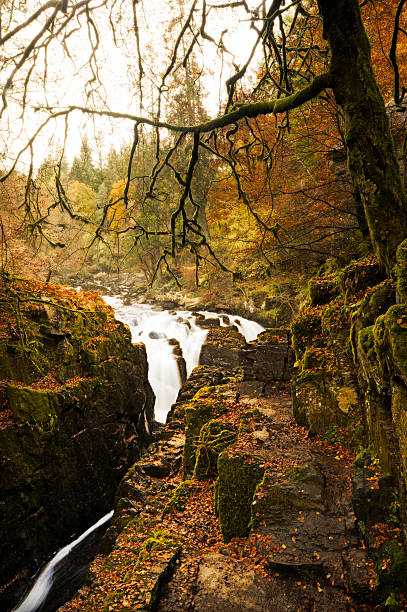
(118, 70)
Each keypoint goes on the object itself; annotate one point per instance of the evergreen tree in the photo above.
(83, 170)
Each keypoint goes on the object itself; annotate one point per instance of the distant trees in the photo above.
(83, 169)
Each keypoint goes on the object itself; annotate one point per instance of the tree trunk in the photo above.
(372, 159)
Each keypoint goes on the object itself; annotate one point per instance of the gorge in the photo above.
(157, 329)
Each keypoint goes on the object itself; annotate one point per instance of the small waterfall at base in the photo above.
(154, 328)
(40, 596)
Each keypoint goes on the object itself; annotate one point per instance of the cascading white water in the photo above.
(35, 597)
(154, 328)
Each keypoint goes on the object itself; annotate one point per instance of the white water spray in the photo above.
(155, 328)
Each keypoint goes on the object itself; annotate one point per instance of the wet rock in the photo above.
(357, 568)
(371, 498)
(222, 348)
(73, 434)
(274, 357)
(177, 352)
(209, 323)
(157, 469)
(300, 488)
(157, 335)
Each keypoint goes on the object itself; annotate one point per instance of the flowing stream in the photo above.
(65, 572)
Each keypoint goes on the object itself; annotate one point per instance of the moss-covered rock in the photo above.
(180, 497)
(321, 402)
(307, 330)
(31, 405)
(206, 404)
(360, 275)
(76, 408)
(299, 488)
(214, 437)
(323, 290)
(400, 271)
(391, 569)
(238, 477)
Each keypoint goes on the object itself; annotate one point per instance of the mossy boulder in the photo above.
(321, 402)
(323, 290)
(360, 275)
(238, 477)
(29, 405)
(214, 437)
(206, 404)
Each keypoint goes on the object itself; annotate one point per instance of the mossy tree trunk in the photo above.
(372, 158)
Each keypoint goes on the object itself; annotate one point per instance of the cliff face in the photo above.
(76, 410)
(351, 383)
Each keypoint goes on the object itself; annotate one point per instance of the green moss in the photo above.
(336, 316)
(400, 270)
(273, 334)
(391, 569)
(214, 437)
(111, 598)
(391, 337)
(316, 359)
(306, 330)
(159, 540)
(379, 301)
(204, 406)
(30, 405)
(235, 487)
(360, 275)
(323, 290)
(180, 497)
(366, 341)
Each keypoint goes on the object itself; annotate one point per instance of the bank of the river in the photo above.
(168, 338)
(255, 304)
(76, 409)
(239, 507)
(264, 512)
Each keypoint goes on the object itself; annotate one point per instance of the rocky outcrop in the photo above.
(351, 384)
(76, 410)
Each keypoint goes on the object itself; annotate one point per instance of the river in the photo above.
(65, 572)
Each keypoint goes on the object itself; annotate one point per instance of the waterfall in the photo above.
(154, 328)
(42, 585)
